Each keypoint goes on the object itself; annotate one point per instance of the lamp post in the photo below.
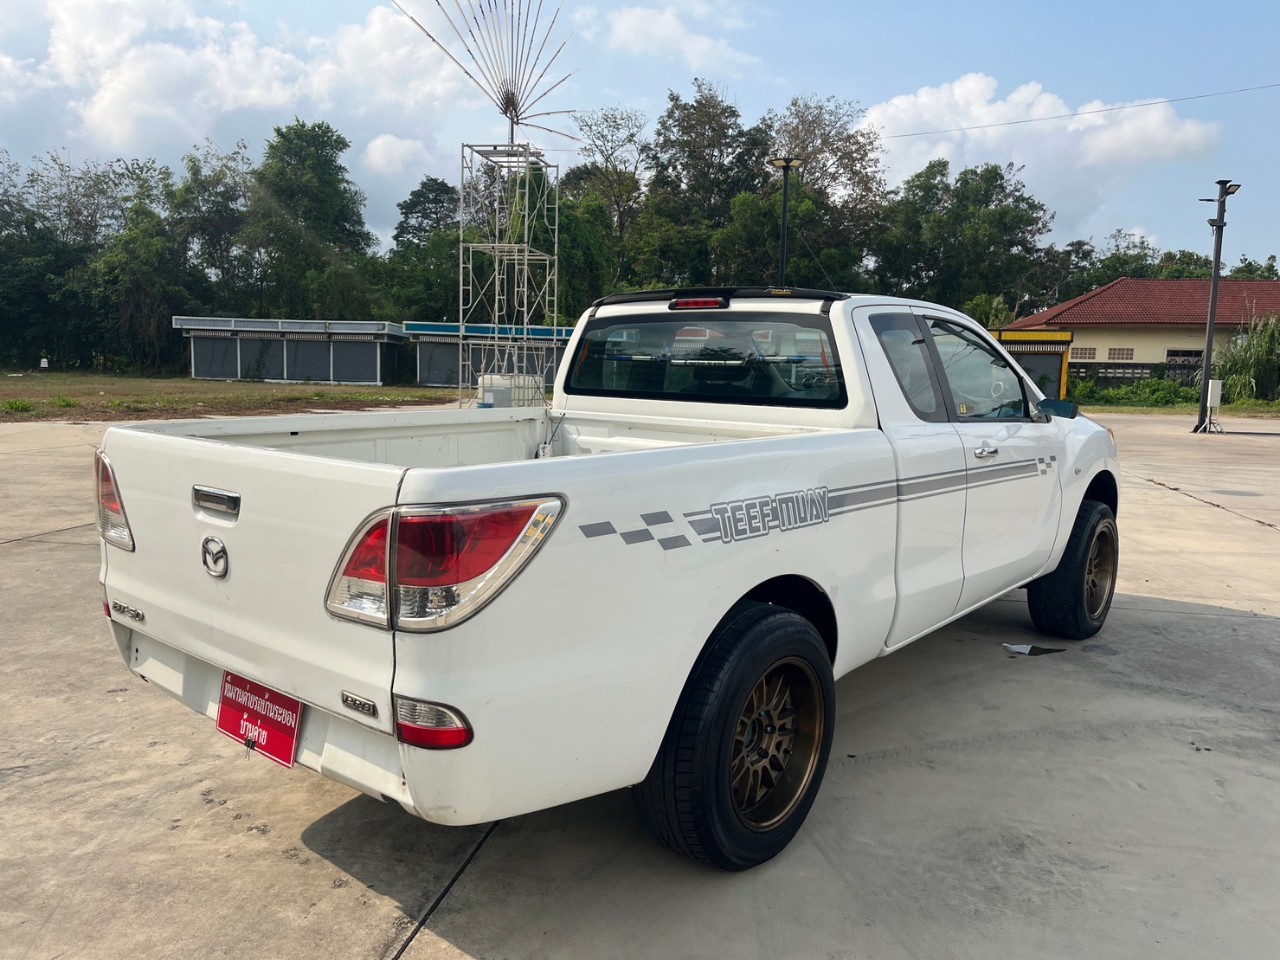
(786, 165)
(1225, 189)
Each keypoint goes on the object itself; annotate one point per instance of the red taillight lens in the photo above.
(358, 590)
(446, 564)
(447, 549)
(368, 561)
(113, 525)
(451, 561)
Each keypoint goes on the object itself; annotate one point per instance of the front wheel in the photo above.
(1073, 601)
(746, 749)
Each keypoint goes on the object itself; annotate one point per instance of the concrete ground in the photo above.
(1115, 800)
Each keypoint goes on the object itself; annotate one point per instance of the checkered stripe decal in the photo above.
(643, 534)
(708, 527)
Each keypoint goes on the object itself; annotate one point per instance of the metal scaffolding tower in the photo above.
(509, 227)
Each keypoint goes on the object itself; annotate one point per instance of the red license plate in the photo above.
(259, 718)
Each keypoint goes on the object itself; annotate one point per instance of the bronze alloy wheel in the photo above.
(1100, 571)
(777, 744)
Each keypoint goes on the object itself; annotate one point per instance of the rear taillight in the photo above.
(434, 726)
(113, 525)
(427, 568)
(359, 588)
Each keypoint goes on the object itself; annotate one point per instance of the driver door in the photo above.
(1011, 461)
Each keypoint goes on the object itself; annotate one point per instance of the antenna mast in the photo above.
(509, 210)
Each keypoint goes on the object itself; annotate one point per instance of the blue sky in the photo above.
(105, 78)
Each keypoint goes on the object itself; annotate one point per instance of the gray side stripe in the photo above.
(881, 492)
(705, 525)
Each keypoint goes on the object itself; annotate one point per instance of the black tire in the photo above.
(744, 754)
(1072, 602)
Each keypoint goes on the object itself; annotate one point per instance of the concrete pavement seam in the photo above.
(46, 533)
(435, 904)
(1192, 496)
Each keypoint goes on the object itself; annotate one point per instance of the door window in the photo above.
(904, 345)
(982, 383)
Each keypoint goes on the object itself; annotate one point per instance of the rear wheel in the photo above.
(1073, 601)
(745, 752)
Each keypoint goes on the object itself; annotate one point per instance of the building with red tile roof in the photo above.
(1123, 329)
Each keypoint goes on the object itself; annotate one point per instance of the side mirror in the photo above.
(1059, 408)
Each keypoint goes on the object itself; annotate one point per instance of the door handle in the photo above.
(983, 452)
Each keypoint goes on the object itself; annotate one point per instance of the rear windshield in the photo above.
(762, 359)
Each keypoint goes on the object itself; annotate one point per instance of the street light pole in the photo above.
(786, 165)
(1225, 189)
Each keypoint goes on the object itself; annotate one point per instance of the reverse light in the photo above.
(428, 568)
(113, 525)
(433, 726)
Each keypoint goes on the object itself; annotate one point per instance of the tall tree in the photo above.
(432, 206)
(842, 160)
(614, 151)
(305, 218)
(950, 240)
(141, 275)
(703, 156)
(209, 208)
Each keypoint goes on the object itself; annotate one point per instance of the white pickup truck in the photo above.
(735, 496)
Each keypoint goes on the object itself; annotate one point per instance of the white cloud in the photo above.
(388, 61)
(139, 70)
(662, 32)
(88, 36)
(1072, 165)
(586, 23)
(16, 78)
(388, 154)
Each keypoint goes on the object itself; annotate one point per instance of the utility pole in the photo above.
(1225, 189)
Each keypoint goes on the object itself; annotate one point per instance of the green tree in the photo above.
(586, 254)
(432, 206)
(614, 151)
(842, 168)
(140, 274)
(1248, 269)
(950, 240)
(305, 219)
(209, 209)
(703, 156)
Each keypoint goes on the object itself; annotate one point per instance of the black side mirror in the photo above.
(1059, 408)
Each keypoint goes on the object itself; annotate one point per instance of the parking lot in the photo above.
(1118, 799)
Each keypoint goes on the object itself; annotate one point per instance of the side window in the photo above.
(900, 338)
(982, 383)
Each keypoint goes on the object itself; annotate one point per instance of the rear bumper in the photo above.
(366, 760)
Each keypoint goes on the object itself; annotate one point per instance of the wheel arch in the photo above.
(1104, 489)
(804, 597)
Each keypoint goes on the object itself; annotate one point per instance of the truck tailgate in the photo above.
(266, 618)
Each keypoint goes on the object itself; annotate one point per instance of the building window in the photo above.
(1184, 357)
(1120, 353)
(1084, 353)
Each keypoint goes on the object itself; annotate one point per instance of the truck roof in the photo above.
(729, 293)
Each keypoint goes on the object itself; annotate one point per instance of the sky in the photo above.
(99, 79)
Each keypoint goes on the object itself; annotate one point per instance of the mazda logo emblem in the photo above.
(213, 552)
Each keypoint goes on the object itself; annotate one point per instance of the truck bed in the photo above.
(437, 439)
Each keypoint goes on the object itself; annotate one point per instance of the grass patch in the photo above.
(93, 396)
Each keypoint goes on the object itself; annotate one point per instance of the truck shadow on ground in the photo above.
(971, 794)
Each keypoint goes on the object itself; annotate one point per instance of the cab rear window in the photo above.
(754, 358)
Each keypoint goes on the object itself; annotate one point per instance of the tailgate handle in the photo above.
(219, 501)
